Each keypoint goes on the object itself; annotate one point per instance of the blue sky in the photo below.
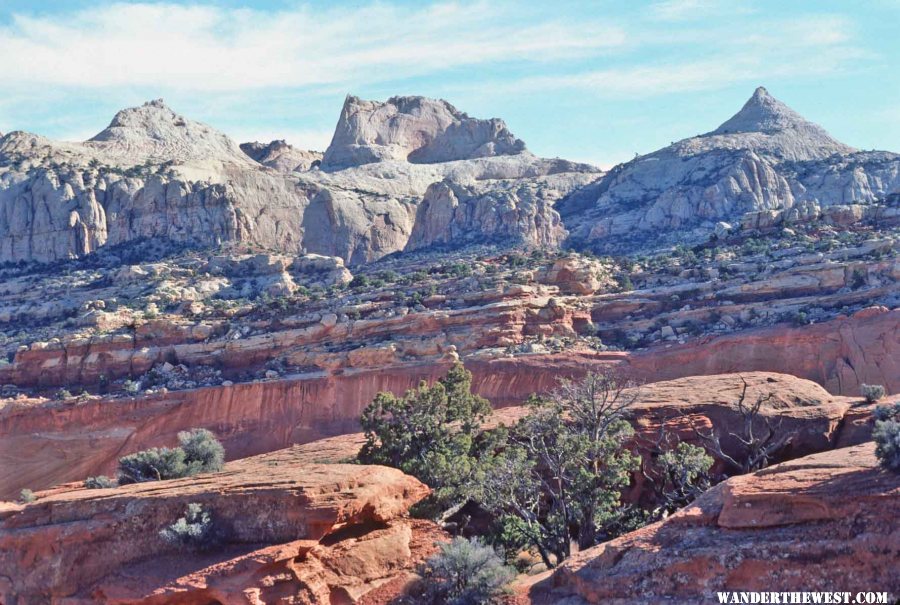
(594, 81)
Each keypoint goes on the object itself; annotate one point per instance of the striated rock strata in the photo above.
(317, 533)
(45, 445)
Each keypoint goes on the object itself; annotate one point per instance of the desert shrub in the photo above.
(359, 281)
(26, 496)
(624, 282)
(887, 412)
(99, 482)
(872, 392)
(465, 572)
(155, 464)
(194, 531)
(887, 443)
(202, 451)
(131, 387)
(459, 270)
(198, 452)
(678, 476)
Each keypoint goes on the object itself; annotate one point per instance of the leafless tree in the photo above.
(760, 438)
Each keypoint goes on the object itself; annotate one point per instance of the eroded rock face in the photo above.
(575, 275)
(41, 446)
(103, 545)
(456, 215)
(828, 519)
(413, 129)
(764, 158)
(281, 156)
(155, 174)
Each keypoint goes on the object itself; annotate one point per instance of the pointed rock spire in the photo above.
(767, 125)
(763, 113)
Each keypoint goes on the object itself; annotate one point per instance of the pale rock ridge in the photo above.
(154, 132)
(155, 174)
(281, 156)
(766, 157)
(414, 129)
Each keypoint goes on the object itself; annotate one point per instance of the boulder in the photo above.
(575, 275)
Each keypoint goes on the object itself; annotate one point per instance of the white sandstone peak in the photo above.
(154, 132)
(764, 113)
(414, 129)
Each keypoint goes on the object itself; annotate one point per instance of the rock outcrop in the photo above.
(281, 156)
(456, 215)
(155, 174)
(413, 129)
(766, 157)
(576, 275)
(317, 532)
(155, 133)
(826, 520)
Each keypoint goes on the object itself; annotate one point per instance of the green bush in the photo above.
(887, 444)
(872, 392)
(558, 479)
(155, 464)
(99, 482)
(202, 451)
(429, 432)
(27, 496)
(194, 531)
(887, 412)
(465, 572)
(680, 475)
(199, 452)
(359, 281)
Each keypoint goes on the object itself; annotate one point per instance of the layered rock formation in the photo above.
(316, 532)
(48, 444)
(826, 520)
(414, 129)
(766, 157)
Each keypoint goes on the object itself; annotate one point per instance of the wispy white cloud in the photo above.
(208, 48)
(816, 47)
(687, 10)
